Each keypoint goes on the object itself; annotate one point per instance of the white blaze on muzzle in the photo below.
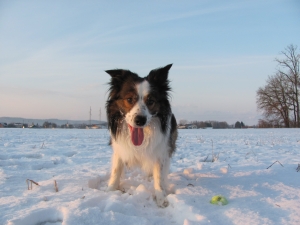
(139, 109)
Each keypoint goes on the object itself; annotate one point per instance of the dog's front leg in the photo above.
(160, 172)
(116, 172)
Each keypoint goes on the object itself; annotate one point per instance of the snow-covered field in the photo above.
(79, 162)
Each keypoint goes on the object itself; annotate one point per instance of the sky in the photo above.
(53, 54)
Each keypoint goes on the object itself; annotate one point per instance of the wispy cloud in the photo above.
(26, 91)
(227, 62)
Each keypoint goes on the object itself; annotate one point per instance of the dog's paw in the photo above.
(111, 188)
(161, 199)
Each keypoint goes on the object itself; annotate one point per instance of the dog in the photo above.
(142, 127)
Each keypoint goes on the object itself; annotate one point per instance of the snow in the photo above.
(79, 161)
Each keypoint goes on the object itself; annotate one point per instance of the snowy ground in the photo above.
(79, 161)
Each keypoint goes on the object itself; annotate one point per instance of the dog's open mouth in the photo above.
(137, 135)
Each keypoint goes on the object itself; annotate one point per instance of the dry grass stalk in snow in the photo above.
(31, 181)
(274, 163)
(55, 186)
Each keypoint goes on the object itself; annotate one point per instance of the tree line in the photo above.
(279, 98)
(211, 124)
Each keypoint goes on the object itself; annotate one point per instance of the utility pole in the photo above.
(90, 115)
(100, 116)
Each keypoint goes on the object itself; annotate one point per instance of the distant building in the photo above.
(191, 126)
(96, 126)
(33, 126)
(188, 126)
(18, 125)
(67, 126)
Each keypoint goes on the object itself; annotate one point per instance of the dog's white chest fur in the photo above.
(153, 148)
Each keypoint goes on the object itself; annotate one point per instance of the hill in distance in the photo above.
(41, 121)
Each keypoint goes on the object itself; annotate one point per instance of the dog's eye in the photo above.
(150, 102)
(130, 100)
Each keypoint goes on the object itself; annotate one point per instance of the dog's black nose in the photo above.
(140, 120)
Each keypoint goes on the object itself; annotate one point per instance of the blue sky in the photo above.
(53, 54)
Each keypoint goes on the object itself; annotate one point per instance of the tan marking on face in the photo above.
(129, 101)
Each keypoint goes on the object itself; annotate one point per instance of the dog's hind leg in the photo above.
(116, 172)
(160, 173)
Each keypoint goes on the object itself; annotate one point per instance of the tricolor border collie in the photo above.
(142, 127)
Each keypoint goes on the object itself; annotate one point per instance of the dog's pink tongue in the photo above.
(137, 135)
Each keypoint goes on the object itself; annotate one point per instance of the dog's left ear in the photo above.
(159, 75)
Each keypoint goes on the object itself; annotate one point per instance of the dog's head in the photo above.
(136, 100)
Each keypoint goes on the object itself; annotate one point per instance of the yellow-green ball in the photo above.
(219, 200)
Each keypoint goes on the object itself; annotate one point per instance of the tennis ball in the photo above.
(219, 200)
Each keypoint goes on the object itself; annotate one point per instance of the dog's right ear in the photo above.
(118, 77)
(116, 73)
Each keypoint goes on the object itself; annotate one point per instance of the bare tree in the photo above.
(289, 67)
(182, 122)
(279, 98)
(264, 124)
(237, 124)
(220, 125)
(273, 100)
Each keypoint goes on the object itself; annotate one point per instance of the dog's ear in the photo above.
(159, 75)
(116, 73)
(118, 76)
